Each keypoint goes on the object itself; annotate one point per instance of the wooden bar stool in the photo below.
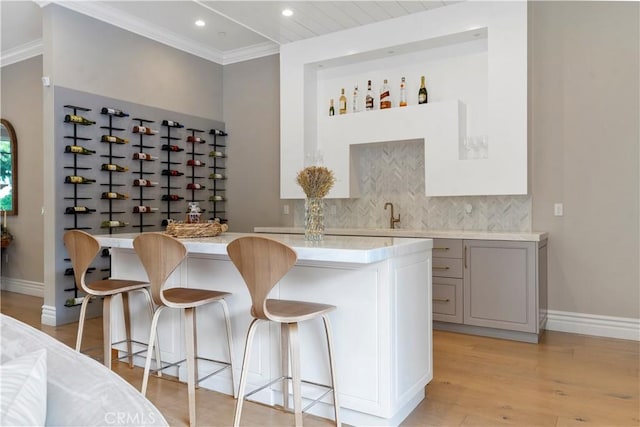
(83, 248)
(160, 255)
(262, 262)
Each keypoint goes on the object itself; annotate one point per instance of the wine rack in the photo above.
(142, 182)
(111, 168)
(195, 166)
(171, 174)
(78, 209)
(218, 175)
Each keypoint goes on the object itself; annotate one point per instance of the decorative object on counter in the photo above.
(316, 182)
(185, 230)
(193, 217)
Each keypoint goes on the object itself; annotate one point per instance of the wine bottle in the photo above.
(78, 210)
(167, 147)
(114, 195)
(172, 124)
(195, 163)
(68, 271)
(74, 301)
(192, 138)
(144, 183)
(113, 224)
(115, 139)
(75, 179)
(172, 172)
(422, 92)
(218, 132)
(216, 154)
(216, 199)
(369, 98)
(79, 120)
(403, 93)
(385, 96)
(144, 129)
(112, 167)
(113, 112)
(143, 156)
(191, 186)
(342, 103)
(171, 197)
(216, 176)
(332, 110)
(354, 104)
(144, 209)
(78, 150)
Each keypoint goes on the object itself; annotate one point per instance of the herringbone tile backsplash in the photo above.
(394, 172)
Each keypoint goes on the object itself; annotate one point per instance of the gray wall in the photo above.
(585, 137)
(21, 105)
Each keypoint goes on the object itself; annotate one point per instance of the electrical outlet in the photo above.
(285, 209)
(558, 209)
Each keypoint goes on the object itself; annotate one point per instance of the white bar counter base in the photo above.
(382, 327)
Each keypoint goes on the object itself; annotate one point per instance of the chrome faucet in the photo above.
(392, 219)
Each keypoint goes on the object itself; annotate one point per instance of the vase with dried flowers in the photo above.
(316, 181)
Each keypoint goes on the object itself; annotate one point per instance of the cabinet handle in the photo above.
(440, 249)
(441, 299)
(435, 267)
(465, 256)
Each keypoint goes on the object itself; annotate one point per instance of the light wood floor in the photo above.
(566, 380)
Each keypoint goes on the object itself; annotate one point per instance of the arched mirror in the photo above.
(8, 168)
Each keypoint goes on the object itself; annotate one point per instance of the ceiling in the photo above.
(234, 30)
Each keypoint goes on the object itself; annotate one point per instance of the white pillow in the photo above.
(23, 390)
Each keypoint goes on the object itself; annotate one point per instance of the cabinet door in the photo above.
(499, 285)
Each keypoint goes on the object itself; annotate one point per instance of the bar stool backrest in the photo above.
(262, 262)
(82, 248)
(160, 255)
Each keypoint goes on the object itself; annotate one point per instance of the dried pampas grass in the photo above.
(316, 181)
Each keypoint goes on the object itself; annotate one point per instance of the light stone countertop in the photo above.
(341, 249)
(430, 234)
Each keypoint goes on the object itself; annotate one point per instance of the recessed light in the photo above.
(200, 23)
(287, 12)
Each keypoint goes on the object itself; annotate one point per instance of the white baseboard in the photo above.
(19, 286)
(592, 324)
(48, 316)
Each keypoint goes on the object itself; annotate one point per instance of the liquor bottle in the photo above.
(144, 183)
(143, 156)
(192, 138)
(216, 154)
(422, 92)
(218, 132)
(194, 163)
(354, 105)
(75, 179)
(172, 172)
(114, 112)
(385, 96)
(403, 93)
(369, 98)
(78, 150)
(115, 139)
(191, 186)
(114, 195)
(216, 176)
(167, 147)
(172, 124)
(113, 224)
(144, 129)
(78, 210)
(112, 167)
(343, 102)
(79, 120)
(144, 209)
(171, 197)
(332, 110)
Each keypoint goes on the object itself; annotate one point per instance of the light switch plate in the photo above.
(558, 209)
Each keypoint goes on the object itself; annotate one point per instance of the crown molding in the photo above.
(251, 52)
(22, 52)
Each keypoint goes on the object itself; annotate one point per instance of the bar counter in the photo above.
(381, 287)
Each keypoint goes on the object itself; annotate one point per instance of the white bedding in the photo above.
(80, 391)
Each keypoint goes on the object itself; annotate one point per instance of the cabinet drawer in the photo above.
(447, 300)
(447, 267)
(447, 248)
